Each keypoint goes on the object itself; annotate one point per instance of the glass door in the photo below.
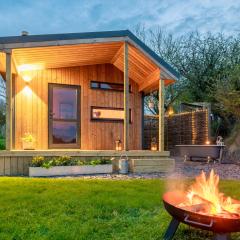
(64, 116)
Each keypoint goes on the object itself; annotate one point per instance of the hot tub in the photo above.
(208, 152)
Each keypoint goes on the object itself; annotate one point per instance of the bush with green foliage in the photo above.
(37, 161)
(40, 161)
(2, 144)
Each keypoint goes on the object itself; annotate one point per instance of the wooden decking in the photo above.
(16, 162)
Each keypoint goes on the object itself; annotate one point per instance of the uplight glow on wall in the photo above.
(28, 71)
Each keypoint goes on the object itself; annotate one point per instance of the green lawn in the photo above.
(88, 209)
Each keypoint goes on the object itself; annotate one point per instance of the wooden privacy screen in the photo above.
(182, 128)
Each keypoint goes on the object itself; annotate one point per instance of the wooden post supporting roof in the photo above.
(8, 100)
(161, 114)
(126, 98)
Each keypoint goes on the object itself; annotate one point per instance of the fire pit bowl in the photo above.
(215, 224)
(203, 206)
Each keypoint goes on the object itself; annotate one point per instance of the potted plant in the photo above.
(66, 165)
(28, 142)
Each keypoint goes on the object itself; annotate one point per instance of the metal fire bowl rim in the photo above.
(215, 224)
(181, 195)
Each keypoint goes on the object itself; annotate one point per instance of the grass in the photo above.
(89, 209)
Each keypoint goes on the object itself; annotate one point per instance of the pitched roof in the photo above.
(12, 42)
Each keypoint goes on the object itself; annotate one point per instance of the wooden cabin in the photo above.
(79, 94)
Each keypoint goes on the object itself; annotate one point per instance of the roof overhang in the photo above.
(38, 42)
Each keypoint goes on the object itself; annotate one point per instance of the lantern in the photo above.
(154, 144)
(118, 145)
(170, 111)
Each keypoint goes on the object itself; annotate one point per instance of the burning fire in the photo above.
(204, 197)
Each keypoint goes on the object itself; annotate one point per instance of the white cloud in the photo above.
(178, 16)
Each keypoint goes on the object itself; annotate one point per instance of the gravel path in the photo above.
(191, 169)
(188, 169)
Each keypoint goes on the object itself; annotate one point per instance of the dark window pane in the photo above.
(105, 86)
(64, 103)
(112, 86)
(64, 132)
(94, 84)
(109, 86)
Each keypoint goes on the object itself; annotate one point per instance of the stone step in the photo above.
(152, 165)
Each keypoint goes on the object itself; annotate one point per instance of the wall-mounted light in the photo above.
(27, 78)
(28, 71)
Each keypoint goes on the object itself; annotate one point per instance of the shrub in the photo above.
(80, 162)
(65, 161)
(106, 161)
(95, 162)
(62, 161)
(28, 137)
(37, 161)
(48, 164)
(2, 144)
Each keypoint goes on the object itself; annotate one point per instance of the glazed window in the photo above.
(109, 86)
(109, 114)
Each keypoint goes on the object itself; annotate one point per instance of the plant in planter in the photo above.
(28, 141)
(65, 165)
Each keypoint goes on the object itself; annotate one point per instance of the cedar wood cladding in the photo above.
(32, 109)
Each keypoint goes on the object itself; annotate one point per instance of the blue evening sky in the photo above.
(62, 16)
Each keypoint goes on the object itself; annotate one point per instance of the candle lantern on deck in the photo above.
(118, 145)
(154, 144)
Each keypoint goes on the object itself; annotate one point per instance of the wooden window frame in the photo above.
(109, 119)
(106, 89)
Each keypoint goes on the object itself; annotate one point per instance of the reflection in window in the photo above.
(64, 103)
(109, 114)
(108, 86)
(64, 132)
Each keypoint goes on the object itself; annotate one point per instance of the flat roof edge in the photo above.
(14, 42)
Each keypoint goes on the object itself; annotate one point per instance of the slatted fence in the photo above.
(182, 128)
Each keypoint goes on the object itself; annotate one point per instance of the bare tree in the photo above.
(2, 88)
(166, 47)
(200, 59)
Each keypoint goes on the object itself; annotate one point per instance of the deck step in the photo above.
(160, 165)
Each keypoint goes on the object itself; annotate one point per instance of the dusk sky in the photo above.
(62, 16)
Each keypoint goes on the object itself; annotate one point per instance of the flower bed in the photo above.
(64, 165)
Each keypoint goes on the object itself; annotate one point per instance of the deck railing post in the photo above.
(126, 98)
(8, 100)
(161, 114)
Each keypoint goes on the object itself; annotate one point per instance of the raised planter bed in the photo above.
(69, 170)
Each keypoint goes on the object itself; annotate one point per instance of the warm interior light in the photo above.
(207, 142)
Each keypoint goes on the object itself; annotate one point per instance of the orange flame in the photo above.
(205, 193)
